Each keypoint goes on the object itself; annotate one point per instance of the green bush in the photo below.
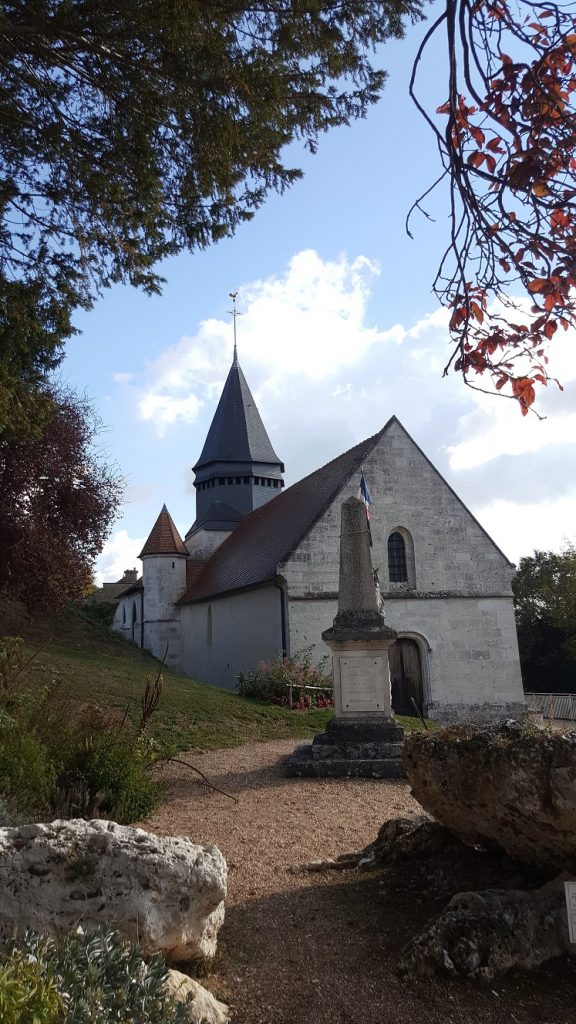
(94, 978)
(271, 681)
(57, 761)
(27, 772)
(104, 772)
(28, 992)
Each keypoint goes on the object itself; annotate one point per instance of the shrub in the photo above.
(104, 772)
(28, 993)
(271, 681)
(91, 765)
(95, 977)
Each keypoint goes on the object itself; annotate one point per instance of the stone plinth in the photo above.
(362, 739)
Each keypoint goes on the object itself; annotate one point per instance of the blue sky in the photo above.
(339, 331)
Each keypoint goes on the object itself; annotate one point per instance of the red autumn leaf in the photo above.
(476, 311)
(550, 328)
(476, 159)
(550, 301)
(538, 284)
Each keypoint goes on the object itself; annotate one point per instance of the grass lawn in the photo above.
(93, 665)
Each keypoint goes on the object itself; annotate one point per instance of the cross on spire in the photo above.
(234, 313)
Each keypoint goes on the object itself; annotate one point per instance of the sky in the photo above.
(338, 331)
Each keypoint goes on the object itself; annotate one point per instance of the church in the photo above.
(256, 576)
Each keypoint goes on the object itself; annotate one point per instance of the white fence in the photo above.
(553, 705)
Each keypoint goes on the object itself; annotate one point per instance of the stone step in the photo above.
(367, 751)
(302, 764)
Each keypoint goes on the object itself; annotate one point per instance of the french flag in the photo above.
(364, 495)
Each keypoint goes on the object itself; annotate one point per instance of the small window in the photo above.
(209, 626)
(221, 480)
(173, 564)
(238, 480)
(246, 479)
(397, 569)
(123, 614)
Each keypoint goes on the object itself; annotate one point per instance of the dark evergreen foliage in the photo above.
(131, 131)
(545, 602)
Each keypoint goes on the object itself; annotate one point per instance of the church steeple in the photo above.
(238, 469)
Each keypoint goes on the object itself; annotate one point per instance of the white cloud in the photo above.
(494, 425)
(122, 378)
(119, 553)
(324, 378)
(520, 529)
(308, 323)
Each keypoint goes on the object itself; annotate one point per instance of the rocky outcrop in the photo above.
(481, 934)
(400, 838)
(164, 893)
(511, 786)
(201, 1006)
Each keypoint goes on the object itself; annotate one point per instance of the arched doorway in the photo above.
(406, 677)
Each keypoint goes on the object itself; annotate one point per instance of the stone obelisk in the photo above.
(363, 738)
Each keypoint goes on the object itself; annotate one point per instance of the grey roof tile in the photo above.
(237, 433)
(269, 534)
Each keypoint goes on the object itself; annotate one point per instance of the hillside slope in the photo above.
(92, 665)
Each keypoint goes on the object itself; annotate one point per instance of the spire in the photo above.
(237, 433)
(164, 538)
(234, 313)
(238, 469)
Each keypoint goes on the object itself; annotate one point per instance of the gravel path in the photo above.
(321, 948)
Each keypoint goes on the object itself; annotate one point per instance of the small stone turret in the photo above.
(164, 558)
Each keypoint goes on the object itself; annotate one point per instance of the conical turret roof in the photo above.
(164, 538)
(237, 433)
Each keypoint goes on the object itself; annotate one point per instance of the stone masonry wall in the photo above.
(461, 606)
(468, 650)
(453, 555)
(164, 582)
(222, 638)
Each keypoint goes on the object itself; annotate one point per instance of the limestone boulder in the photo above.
(201, 1006)
(482, 934)
(165, 893)
(509, 786)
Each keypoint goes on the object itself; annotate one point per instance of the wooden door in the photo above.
(406, 677)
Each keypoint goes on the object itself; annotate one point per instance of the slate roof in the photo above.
(220, 516)
(268, 535)
(134, 588)
(164, 538)
(237, 433)
(193, 569)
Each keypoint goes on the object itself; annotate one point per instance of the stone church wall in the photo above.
(459, 602)
(468, 651)
(232, 634)
(453, 555)
(164, 582)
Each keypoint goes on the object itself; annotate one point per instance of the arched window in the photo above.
(401, 559)
(397, 569)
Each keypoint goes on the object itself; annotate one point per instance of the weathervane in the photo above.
(234, 313)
